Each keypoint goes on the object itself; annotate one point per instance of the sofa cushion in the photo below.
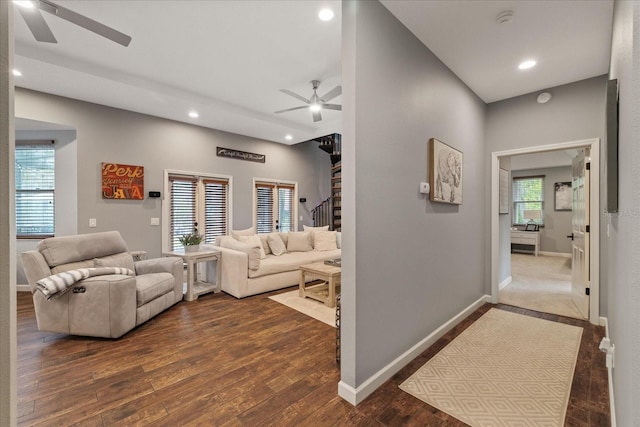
(299, 241)
(291, 261)
(254, 241)
(325, 241)
(313, 231)
(153, 285)
(252, 251)
(246, 232)
(124, 260)
(276, 244)
(265, 244)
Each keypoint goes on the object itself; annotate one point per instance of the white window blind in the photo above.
(528, 194)
(275, 207)
(183, 209)
(35, 189)
(215, 208)
(197, 204)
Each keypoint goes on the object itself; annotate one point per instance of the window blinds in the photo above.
(528, 194)
(183, 209)
(35, 190)
(285, 207)
(274, 207)
(215, 206)
(264, 215)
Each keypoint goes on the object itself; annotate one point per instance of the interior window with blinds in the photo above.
(528, 195)
(275, 207)
(35, 189)
(197, 204)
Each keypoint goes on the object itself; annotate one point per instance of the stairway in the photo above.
(329, 212)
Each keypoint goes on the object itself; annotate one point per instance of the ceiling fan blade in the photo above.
(332, 107)
(316, 116)
(291, 109)
(38, 26)
(295, 95)
(332, 94)
(84, 22)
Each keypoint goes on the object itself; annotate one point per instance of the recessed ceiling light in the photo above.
(193, 114)
(288, 137)
(527, 64)
(17, 73)
(325, 15)
(27, 4)
(315, 107)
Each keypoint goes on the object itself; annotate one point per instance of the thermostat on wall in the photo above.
(154, 194)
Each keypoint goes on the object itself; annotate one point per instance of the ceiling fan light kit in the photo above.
(316, 103)
(30, 11)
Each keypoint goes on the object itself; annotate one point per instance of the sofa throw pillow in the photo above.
(265, 244)
(325, 241)
(253, 253)
(313, 231)
(276, 244)
(299, 241)
(246, 232)
(254, 241)
(122, 260)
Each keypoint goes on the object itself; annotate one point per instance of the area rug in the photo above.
(307, 306)
(506, 369)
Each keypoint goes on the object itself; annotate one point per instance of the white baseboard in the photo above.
(558, 254)
(357, 395)
(504, 283)
(23, 288)
(612, 408)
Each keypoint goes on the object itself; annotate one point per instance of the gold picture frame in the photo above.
(445, 173)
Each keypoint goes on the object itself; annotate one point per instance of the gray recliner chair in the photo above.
(103, 305)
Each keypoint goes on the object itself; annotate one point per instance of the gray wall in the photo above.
(417, 263)
(557, 224)
(622, 248)
(106, 134)
(576, 112)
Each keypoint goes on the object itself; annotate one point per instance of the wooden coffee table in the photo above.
(324, 292)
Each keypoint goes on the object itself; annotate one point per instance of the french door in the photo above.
(275, 207)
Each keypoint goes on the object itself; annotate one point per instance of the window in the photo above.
(197, 203)
(528, 194)
(275, 207)
(35, 189)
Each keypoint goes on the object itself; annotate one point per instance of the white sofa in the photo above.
(244, 272)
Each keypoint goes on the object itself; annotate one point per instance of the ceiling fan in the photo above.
(315, 103)
(30, 11)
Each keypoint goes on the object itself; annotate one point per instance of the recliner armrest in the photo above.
(158, 265)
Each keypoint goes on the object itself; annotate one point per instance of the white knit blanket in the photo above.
(59, 284)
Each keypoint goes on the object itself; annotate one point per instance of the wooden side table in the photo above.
(195, 287)
(325, 293)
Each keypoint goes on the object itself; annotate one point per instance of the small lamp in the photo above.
(532, 216)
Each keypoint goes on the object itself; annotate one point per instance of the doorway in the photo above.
(500, 228)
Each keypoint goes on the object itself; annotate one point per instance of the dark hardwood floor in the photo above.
(219, 361)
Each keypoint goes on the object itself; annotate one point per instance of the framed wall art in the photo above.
(562, 196)
(445, 173)
(122, 181)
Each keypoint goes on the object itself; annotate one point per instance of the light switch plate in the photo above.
(92, 223)
(155, 221)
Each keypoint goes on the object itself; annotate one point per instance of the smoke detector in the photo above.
(504, 17)
(544, 97)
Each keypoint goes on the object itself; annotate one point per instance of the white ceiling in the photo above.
(229, 59)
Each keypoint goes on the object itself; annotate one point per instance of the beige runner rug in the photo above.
(506, 369)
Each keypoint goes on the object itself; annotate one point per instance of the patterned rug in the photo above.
(506, 369)
(307, 306)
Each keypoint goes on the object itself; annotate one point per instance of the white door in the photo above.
(580, 233)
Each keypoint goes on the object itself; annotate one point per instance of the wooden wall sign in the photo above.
(241, 155)
(122, 181)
